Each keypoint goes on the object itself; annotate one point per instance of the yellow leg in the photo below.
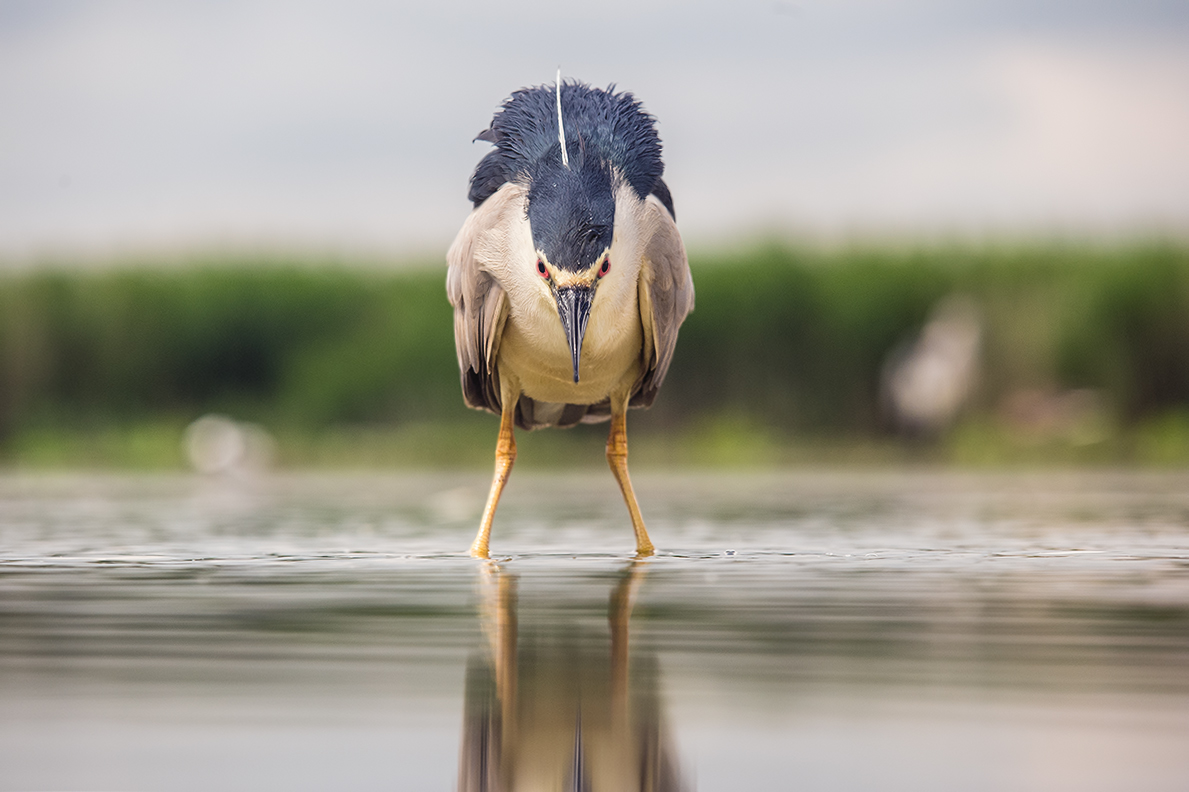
(505, 455)
(617, 458)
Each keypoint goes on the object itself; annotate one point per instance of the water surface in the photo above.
(840, 631)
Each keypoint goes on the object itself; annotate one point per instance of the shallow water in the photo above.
(797, 630)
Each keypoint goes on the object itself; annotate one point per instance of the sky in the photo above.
(346, 128)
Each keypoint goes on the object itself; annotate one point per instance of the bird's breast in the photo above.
(534, 349)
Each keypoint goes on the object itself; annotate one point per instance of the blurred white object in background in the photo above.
(460, 504)
(218, 444)
(928, 381)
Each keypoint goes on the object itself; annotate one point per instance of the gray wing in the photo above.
(666, 298)
(480, 305)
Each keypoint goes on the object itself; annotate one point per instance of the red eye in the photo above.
(603, 270)
(541, 269)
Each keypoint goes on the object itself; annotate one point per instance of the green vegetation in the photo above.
(1085, 358)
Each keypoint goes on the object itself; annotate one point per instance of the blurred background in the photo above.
(920, 231)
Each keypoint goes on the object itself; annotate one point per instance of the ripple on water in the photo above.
(957, 630)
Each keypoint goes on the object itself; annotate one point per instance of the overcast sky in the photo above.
(346, 127)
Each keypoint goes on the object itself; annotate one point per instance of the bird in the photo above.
(569, 279)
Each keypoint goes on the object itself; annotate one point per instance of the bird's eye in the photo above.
(541, 269)
(603, 270)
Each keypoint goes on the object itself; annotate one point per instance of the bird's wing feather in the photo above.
(666, 298)
(480, 304)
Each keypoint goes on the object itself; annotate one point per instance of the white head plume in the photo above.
(561, 129)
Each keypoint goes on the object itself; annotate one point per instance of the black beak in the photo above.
(573, 306)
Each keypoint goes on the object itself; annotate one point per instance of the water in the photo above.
(814, 631)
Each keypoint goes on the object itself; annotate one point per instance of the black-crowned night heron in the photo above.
(569, 280)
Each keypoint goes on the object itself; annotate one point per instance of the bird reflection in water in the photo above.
(563, 712)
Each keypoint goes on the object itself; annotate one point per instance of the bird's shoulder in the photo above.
(666, 296)
(480, 302)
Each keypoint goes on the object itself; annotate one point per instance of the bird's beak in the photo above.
(573, 306)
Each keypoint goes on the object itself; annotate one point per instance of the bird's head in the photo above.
(571, 213)
(581, 153)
